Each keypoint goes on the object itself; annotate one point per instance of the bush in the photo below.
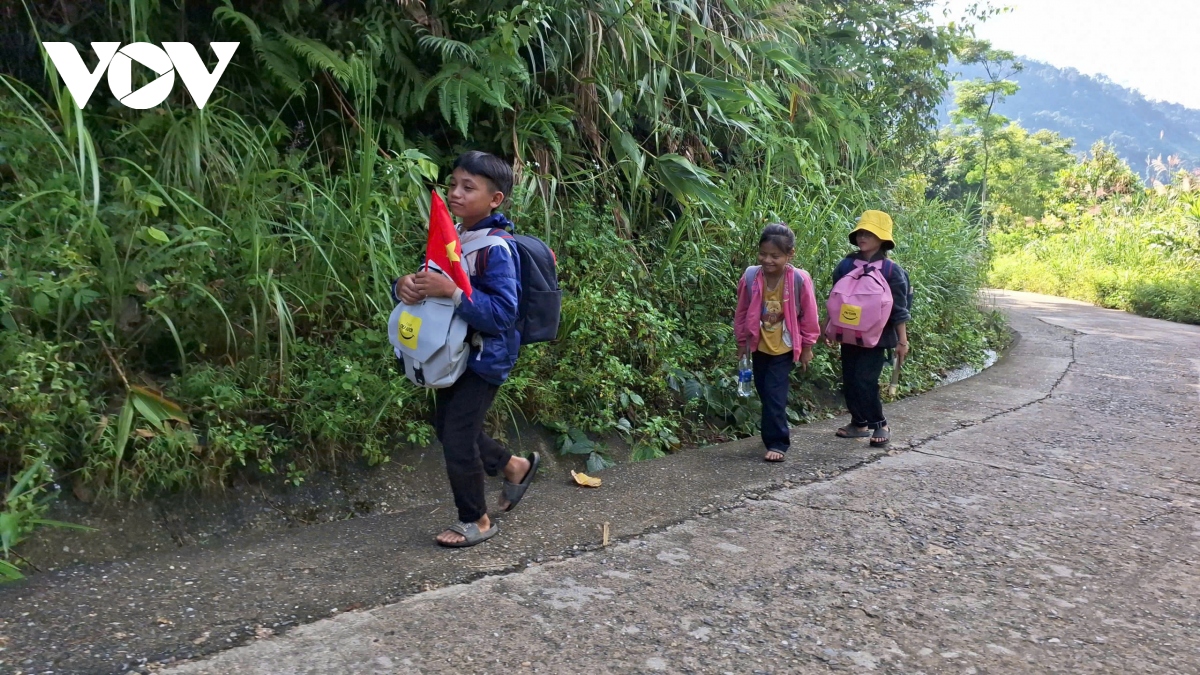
(1176, 299)
(1141, 256)
(188, 293)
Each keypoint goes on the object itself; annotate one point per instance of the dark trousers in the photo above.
(861, 368)
(469, 452)
(771, 375)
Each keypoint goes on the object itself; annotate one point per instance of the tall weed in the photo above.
(1142, 258)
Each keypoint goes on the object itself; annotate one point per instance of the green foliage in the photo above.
(1167, 298)
(1024, 170)
(25, 501)
(573, 441)
(1085, 229)
(1133, 250)
(43, 401)
(1101, 177)
(976, 100)
(187, 293)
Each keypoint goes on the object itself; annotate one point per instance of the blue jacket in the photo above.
(897, 279)
(491, 311)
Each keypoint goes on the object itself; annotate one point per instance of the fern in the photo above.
(452, 101)
(449, 49)
(278, 60)
(361, 76)
(229, 15)
(282, 65)
(320, 57)
(457, 85)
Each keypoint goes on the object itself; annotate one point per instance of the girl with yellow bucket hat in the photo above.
(861, 364)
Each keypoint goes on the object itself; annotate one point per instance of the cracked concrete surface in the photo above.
(1041, 517)
(1058, 533)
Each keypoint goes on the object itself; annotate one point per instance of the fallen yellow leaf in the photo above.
(585, 480)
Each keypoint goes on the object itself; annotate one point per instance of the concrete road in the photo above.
(1052, 525)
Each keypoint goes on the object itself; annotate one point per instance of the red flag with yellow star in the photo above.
(443, 247)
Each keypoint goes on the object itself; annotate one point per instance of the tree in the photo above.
(976, 100)
(1096, 179)
(1023, 170)
(1027, 166)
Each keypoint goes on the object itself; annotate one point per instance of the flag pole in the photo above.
(429, 227)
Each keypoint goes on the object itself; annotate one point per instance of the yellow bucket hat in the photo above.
(877, 223)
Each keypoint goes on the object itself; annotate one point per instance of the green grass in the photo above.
(1143, 259)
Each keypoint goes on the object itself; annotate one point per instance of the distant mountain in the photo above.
(1089, 109)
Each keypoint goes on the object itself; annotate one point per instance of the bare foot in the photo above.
(451, 537)
(774, 456)
(514, 472)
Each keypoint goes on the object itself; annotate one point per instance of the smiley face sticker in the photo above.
(850, 315)
(408, 328)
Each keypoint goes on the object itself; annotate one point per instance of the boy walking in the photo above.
(478, 186)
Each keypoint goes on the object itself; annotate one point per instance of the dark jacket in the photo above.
(491, 311)
(897, 280)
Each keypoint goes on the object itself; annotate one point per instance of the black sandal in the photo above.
(881, 437)
(851, 431)
(471, 534)
(514, 491)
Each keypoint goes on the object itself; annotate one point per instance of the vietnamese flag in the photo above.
(443, 247)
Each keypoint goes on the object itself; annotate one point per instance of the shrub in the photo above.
(1142, 256)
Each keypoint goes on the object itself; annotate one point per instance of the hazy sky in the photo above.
(1149, 45)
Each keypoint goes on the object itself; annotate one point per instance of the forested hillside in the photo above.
(1090, 109)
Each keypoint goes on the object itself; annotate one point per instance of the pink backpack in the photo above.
(859, 305)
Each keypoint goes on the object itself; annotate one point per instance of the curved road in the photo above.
(1043, 516)
(1061, 535)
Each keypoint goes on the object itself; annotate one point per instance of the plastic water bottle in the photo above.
(745, 376)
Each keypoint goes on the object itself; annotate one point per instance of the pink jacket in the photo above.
(747, 320)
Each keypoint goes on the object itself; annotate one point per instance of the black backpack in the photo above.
(887, 274)
(539, 303)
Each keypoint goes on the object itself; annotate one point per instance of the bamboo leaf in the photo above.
(124, 427)
(61, 524)
(163, 407)
(10, 571)
(689, 183)
(25, 480)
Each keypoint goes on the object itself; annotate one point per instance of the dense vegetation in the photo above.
(1089, 227)
(188, 293)
(1108, 240)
